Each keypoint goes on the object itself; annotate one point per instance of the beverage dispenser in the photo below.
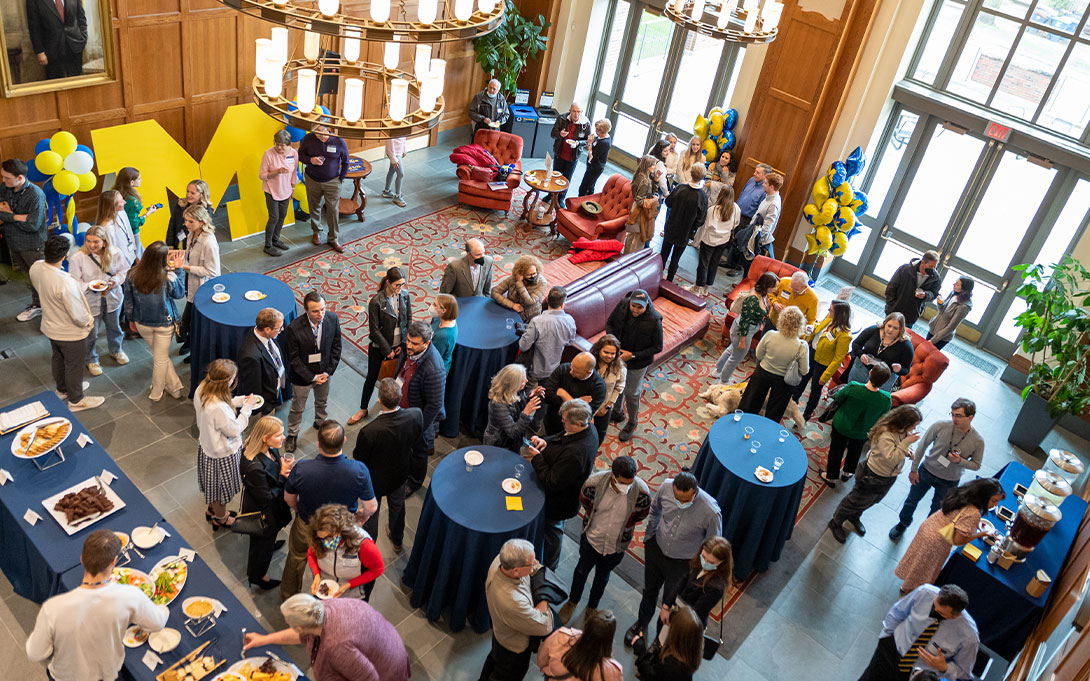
(1036, 516)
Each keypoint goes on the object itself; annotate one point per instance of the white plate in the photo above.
(255, 662)
(98, 285)
(28, 430)
(333, 587)
(155, 572)
(228, 676)
(561, 182)
(511, 486)
(986, 525)
(146, 537)
(474, 458)
(63, 520)
(259, 401)
(254, 295)
(134, 637)
(763, 474)
(221, 297)
(165, 641)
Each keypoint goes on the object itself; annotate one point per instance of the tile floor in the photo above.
(820, 626)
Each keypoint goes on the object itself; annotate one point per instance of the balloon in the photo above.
(700, 127)
(710, 149)
(843, 194)
(48, 162)
(300, 195)
(828, 211)
(732, 118)
(716, 128)
(840, 244)
(84, 147)
(810, 213)
(860, 204)
(855, 162)
(837, 174)
(824, 237)
(32, 172)
(79, 162)
(821, 191)
(66, 182)
(811, 244)
(42, 145)
(87, 181)
(63, 143)
(845, 219)
(727, 141)
(855, 230)
(715, 110)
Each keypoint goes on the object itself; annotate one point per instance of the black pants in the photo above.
(813, 377)
(567, 169)
(868, 490)
(186, 323)
(601, 425)
(838, 443)
(671, 254)
(554, 538)
(603, 566)
(396, 520)
(884, 662)
(259, 556)
(418, 458)
(939, 345)
(375, 358)
(64, 65)
(68, 367)
(278, 210)
(504, 665)
(708, 264)
(658, 571)
(765, 384)
(590, 178)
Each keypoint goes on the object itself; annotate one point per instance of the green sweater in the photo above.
(860, 408)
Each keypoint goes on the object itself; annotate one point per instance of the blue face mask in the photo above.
(707, 566)
(331, 543)
(685, 505)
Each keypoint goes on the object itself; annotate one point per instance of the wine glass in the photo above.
(783, 435)
(737, 415)
(518, 470)
(777, 463)
(754, 446)
(749, 432)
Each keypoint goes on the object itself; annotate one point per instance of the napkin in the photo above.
(5, 477)
(31, 517)
(514, 503)
(83, 440)
(151, 660)
(107, 476)
(163, 531)
(188, 554)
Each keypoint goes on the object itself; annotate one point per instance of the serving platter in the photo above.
(82, 523)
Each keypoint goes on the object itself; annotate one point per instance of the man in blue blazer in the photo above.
(314, 350)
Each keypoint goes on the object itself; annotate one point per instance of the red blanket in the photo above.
(589, 250)
(473, 155)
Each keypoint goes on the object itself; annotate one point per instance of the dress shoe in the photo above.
(269, 250)
(566, 612)
(315, 240)
(633, 631)
(617, 416)
(857, 525)
(897, 530)
(281, 245)
(335, 245)
(290, 444)
(411, 487)
(265, 584)
(626, 433)
(844, 477)
(431, 451)
(398, 548)
(318, 425)
(278, 544)
(837, 531)
(357, 417)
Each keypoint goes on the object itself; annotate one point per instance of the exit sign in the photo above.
(998, 132)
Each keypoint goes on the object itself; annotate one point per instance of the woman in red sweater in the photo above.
(342, 551)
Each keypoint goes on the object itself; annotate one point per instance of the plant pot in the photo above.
(1032, 425)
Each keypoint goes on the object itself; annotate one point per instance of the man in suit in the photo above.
(423, 379)
(58, 34)
(314, 351)
(261, 369)
(385, 445)
(471, 275)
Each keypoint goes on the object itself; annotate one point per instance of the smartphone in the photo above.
(526, 442)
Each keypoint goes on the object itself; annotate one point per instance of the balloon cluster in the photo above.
(835, 206)
(716, 132)
(64, 166)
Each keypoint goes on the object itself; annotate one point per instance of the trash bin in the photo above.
(543, 141)
(523, 122)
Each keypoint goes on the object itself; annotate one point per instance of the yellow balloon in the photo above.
(300, 195)
(87, 181)
(66, 182)
(709, 149)
(700, 128)
(828, 211)
(844, 194)
(820, 192)
(824, 237)
(48, 162)
(840, 244)
(811, 244)
(717, 119)
(811, 212)
(63, 143)
(845, 219)
(715, 110)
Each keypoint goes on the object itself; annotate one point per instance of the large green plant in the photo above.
(504, 53)
(1056, 333)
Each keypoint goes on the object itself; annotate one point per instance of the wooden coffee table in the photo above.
(357, 170)
(544, 192)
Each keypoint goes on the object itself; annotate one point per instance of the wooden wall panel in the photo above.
(210, 72)
(148, 46)
(142, 8)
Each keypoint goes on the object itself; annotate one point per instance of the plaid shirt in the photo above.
(28, 200)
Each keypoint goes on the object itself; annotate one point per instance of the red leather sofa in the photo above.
(928, 363)
(616, 201)
(506, 148)
(760, 265)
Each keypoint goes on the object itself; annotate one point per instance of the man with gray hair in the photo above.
(488, 109)
(515, 616)
(471, 275)
(563, 462)
(749, 200)
(423, 379)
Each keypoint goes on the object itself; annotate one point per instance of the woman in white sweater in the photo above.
(112, 218)
(202, 260)
(776, 353)
(694, 153)
(98, 263)
(714, 236)
(220, 438)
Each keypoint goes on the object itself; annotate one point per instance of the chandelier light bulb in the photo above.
(352, 44)
(280, 2)
(328, 8)
(426, 11)
(439, 70)
(353, 99)
(772, 12)
(724, 16)
(274, 78)
(486, 6)
(422, 61)
(429, 92)
(751, 22)
(310, 45)
(306, 80)
(391, 56)
(463, 9)
(264, 48)
(749, 5)
(679, 6)
(380, 10)
(280, 44)
(698, 10)
(399, 99)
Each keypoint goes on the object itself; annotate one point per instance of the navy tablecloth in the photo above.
(1004, 612)
(462, 526)
(34, 557)
(218, 327)
(485, 345)
(757, 517)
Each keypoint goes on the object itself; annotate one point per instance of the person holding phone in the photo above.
(510, 408)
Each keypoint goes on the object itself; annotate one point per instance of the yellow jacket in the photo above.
(830, 352)
(807, 302)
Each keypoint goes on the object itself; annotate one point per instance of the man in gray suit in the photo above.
(469, 276)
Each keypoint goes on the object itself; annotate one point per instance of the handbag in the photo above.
(254, 524)
(947, 531)
(830, 411)
(388, 368)
(793, 376)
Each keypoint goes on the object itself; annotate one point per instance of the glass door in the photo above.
(636, 105)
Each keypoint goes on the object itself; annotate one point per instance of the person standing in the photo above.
(586, 655)
(201, 263)
(389, 313)
(510, 408)
(749, 200)
(570, 133)
(524, 290)
(713, 237)
(314, 353)
(278, 176)
(640, 226)
(574, 380)
(80, 632)
(638, 326)
(946, 449)
(515, 616)
(330, 478)
(751, 310)
(614, 502)
(395, 153)
(423, 385)
(912, 286)
(261, 367)
(691, 155)
(111, 216)
(767, 216)
(264, 473)
(607, 353)
(66, 322)
(196, 194)
(384, 446)
(444, 326)
(702, 587)
(686, 210)
(597, 154)
(488, 108)
(219, 442)
(22, 215)
(952, 311)
(777, 353)
(886, 341)
(829, 342)
(862, 405)
(326, 159)
(720, 174)
(470, 275)
(58, 36)
(678, 658)
(546, 336)
(342, 551)
(682, 518)
(150, 291)
(96, 263)
(128, 185)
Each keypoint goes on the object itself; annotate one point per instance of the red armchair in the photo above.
(760, 265)
(506, 148)
(928, 363)
(616, 201)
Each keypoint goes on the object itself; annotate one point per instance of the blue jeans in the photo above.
(114, 334)
(917, 492)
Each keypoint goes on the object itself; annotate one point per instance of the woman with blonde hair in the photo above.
(510, 409)
(201, 263)
(693, 153)
(887, 341)
(219, 445)
(196, 194)
(342, 551)
(777, 352)
(111, 217)
(444, 326)
(524, 290)
(98, 264)
(264, 473)
(150, 291)
(713, 237)
(640, 226)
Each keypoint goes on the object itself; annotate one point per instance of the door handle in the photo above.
(613, 106)
(886, 229)
(1003, 286)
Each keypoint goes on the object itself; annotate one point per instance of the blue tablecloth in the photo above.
(34, 557)
(1004, 612)
(218, 327)
(485, 345)
(757, 517)
(201, 581)
(462, 526)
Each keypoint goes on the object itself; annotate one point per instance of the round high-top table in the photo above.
(358, 169)
(757, 517)
(485, 345)
(463, 524)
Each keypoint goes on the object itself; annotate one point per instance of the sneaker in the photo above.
(121, 358)
(897, 531)
(94, 368)
(29, 313)
(64, 395)
(281, 245)
(86, 403)
(269, 250)
(386, 194)
(399, 202)
(566, 612)
(626, 433)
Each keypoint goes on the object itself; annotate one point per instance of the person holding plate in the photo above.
(261, 363)
(342, 551)
(101, 270)
(570, 133)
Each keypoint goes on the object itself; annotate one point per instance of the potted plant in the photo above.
(1056, 336)
(504, 53)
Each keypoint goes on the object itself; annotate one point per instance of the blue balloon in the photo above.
(853, 232)
(728, 140)
(864, 203)
(42, 145)
(33, 174)
(730, 118)
(855, 162)
(84, 147)
(837, 174)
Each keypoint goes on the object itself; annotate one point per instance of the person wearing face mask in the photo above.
(444, 324)
(470, 275)
(912, 286)
(702, 587)
(682, 518)
(523, 291)
(570, 134)
(613, 502)
(488, 108)
(341, 550)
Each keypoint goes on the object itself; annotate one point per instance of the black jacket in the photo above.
(869, 340)
(257, 371)
(562, 468)
(384, 446)
(642, 336)
(263, 489)
(593, 385)
(901, 291)
(651, 667)
(53, 36)
(176, 229)
(582, 133)
(299, 340)
(700, 597)
(381, 323)
(686, 210)
(428, 387)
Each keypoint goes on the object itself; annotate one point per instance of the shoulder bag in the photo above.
(712, 643)
(255, 524)
(794, 375)
(947, 530)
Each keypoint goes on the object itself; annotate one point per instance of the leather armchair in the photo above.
(616, 201)
(760, 265)
(507, 149)
(928, 363)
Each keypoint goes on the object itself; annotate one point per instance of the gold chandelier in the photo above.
(412, 103)
(736, 21)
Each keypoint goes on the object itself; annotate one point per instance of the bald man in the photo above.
(488, 109)
(575, 380)
(470, 275)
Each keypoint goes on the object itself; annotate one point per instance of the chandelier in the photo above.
(289, 86)
(736, 21)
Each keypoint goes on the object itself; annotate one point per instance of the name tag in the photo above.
(331, 149)
(290, 158)
(830, 336)
(785, 294)
(400, 383)
(314, 358)
(943, 461)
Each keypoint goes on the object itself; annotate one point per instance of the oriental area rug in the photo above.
(673, 418)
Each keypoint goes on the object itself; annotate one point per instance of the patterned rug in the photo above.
(673, 419)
